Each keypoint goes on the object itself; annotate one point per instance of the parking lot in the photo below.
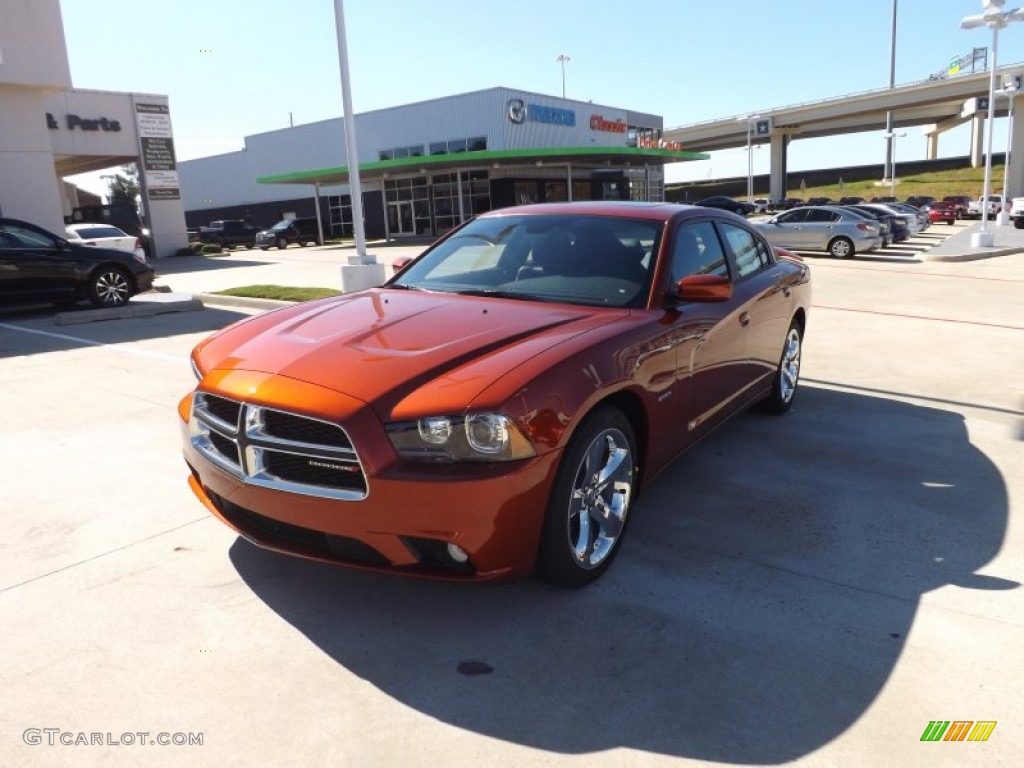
(812, 589)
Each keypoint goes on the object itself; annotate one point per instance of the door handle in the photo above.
(745, 318)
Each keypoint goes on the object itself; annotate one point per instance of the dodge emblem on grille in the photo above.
(339, 467)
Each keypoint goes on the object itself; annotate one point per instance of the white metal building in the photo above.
(427, 166)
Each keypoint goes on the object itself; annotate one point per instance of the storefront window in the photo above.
(340, 215)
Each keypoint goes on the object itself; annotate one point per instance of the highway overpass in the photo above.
(935, 105)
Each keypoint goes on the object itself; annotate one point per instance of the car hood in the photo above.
(380, 346)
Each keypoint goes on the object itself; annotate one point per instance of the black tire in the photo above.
(264, 247)
(249, 246)
(282, 243)
(110, 286)
(841, 248)
(572, 554)
(1019, 223)
(787, 374)
(303, 243)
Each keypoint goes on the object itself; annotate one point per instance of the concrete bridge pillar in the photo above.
(777, 182)
(1015, 177)
(977, 140)
(932, 149)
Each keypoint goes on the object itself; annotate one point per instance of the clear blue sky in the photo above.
(234, 67)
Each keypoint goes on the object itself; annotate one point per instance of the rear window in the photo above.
(90, 233)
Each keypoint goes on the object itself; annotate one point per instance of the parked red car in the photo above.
(497, 405)
(942, 210)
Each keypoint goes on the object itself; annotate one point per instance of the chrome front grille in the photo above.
(276, 449)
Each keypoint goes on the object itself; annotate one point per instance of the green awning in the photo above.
(606, 156)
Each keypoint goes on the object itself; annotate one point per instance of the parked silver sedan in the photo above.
(837, 231)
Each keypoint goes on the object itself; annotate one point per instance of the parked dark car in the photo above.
(787, 203)
(229, 233)
(885, 199)
(876, 216)
(287, 231)
(727, 204)
(820, 201)
(850, 200)
(38, 265)
(920, 201)
(898, 229)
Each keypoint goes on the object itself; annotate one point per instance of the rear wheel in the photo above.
(787, 375)
(110, 287)
(589, 506)
(841, 248)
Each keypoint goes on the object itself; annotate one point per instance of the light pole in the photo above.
(1009, 90)
(891, 138)
(889, 148)
(994, 18)
(562, 58)
(749, 120)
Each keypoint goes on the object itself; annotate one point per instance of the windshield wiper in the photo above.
(494, 293)
(405, 287)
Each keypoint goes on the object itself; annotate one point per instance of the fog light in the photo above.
(457, 553)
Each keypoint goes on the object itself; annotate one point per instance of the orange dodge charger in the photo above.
(494, 409)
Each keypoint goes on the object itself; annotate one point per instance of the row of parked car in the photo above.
(228, 233)
(845, 230)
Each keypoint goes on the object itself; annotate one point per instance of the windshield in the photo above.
(575, 259)
(283, 224)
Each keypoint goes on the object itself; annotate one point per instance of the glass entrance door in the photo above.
(400, 218)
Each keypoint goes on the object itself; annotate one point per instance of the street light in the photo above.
(749, 120)
(562, 58)
(994, 18)
(891, 137)
(1009, 90)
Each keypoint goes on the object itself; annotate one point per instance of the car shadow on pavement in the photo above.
(760, 604)
(179, 264)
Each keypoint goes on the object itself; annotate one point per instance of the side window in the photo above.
(750, 252)
(821, 216)
(792, 217)
(697, 251)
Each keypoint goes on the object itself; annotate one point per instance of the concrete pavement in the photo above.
(810, 590)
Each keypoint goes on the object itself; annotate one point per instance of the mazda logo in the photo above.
(517, 111)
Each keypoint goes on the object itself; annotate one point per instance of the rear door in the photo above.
(818, 228)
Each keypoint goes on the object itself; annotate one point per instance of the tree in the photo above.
(123, 188)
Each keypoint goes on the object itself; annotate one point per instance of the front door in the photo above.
(400, 218)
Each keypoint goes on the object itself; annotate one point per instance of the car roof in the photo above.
(621, 208)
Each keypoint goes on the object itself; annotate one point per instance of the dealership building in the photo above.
(427, 166)
(49, 130)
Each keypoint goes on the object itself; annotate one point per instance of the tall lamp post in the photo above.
(994, 18)
(562, 58)
(1009, 90)
(749, 120)
(891, 137)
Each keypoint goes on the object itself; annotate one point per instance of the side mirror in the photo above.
(401, 263)
(704, 288)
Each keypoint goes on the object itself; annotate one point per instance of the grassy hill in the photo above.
(937, 183)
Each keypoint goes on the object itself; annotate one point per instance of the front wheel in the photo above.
(590, 501)
(787, 375)
(841, 248)
(282, 243)
(110, 287)
(1019, 222)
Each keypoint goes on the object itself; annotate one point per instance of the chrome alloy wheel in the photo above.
(112, 288)
(789, 369)
(600, 498)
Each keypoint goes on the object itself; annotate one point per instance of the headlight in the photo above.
(476, 437)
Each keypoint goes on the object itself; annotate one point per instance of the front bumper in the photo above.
(410, 512)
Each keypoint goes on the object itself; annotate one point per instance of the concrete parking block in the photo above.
(142, 305)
